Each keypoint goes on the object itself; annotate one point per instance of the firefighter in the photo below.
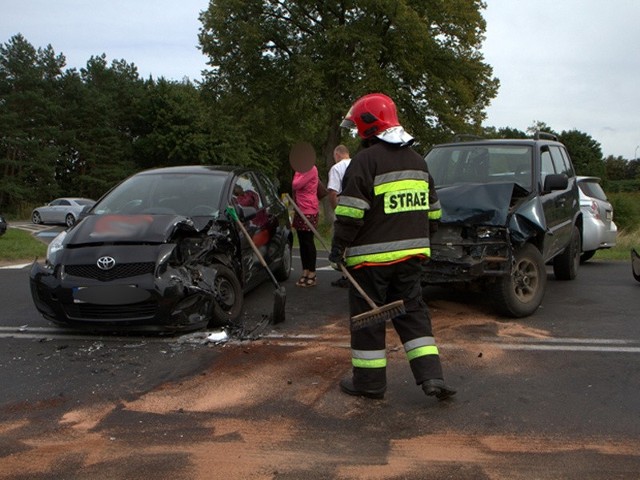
(381, 233)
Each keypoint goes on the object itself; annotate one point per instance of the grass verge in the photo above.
(18, 245)
(625, 241)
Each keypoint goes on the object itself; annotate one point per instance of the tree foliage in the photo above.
(287, 70)
(29, 113)
(281, 71)
(585, 152)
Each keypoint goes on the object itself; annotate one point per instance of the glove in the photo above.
(336, 257)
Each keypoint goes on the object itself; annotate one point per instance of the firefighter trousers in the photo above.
(385, 284)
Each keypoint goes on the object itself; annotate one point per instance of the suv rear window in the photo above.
(591, 188)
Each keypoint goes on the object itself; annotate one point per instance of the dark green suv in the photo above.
(509, 207)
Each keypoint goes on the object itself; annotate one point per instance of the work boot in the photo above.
(342, 282)
(346, 385)
(437, 387)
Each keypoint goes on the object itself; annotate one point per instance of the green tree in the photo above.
(585, 152)
(615, 168)
(285, 70)
(29, 121)
(174, 127)
(101, 121)
(504, 132)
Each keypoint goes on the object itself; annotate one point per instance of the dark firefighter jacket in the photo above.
(384, 208)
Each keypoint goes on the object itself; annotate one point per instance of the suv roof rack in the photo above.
(466, 137)
(544, 136)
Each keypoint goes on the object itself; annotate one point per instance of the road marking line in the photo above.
(602, 345)
(569, 348)
(15, 267)
(610, 341)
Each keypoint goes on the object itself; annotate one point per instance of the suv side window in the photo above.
(565, 155)
(546, 164)
(561, 162)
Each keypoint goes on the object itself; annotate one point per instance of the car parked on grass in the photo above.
(159, 253)
(3, 225)
(599, 230)
(509, 207)
(62, 210)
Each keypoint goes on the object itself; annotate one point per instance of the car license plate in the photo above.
(609, 215)
(110, 294)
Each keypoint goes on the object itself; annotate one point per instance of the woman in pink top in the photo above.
(305, 194)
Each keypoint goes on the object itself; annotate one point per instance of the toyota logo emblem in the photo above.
(106, 263)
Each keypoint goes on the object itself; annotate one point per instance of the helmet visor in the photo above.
(348, 123)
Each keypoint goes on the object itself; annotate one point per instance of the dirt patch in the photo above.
(270, 409)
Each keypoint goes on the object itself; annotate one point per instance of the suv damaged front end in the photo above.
(481, 225)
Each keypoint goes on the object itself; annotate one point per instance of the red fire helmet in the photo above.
(371, 114)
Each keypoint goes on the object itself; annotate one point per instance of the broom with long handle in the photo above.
(377, 314)
(279, 294)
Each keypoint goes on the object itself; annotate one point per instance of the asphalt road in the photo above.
(551, 396)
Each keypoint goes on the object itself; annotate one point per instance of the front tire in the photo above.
(228, 301)
(565, 265)
(520, 293)
(283, 272)
(36, 218)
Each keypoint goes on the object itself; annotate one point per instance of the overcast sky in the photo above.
(572, 64)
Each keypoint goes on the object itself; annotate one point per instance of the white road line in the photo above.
(609, 341)
(571, 348)
(603, 345)
(15, 267)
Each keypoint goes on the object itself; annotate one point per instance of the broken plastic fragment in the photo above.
(218, 337)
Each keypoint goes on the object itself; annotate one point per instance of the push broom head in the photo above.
(377, 315)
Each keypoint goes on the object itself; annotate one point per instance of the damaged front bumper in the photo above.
(144, 295)
(464, 254)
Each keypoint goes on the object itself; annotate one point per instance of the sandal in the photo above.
(310, 281)
(302, 281)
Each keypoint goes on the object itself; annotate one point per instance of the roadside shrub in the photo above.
(626, 210)
(622, 186)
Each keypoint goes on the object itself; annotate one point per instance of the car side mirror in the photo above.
(246, 213)
(556, 181)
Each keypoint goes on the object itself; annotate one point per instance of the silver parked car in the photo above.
(62, 210)
(600, 231)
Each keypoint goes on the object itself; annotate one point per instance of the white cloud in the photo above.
(571, 64)
(160, 37)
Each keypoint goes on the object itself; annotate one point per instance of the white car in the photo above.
(599, 229)
(62, 210)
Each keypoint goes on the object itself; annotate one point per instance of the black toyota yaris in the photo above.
(159, 252)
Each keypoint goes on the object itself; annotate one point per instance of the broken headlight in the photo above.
(55, 248)
(488, 232)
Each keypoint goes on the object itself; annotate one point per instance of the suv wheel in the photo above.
(520, 294)
(565, 265)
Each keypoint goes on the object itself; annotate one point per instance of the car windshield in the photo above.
(165, 194)
(455, 164)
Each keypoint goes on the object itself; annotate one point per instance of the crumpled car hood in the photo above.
(130, 228)
(476, 203)
(491, 204)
